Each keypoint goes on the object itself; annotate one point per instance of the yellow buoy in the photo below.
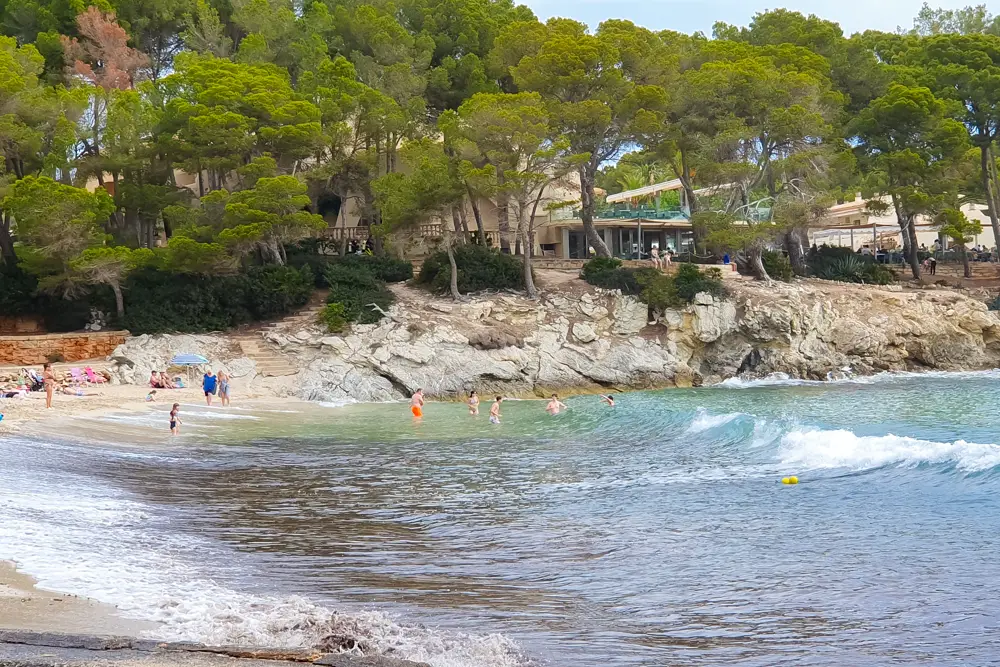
(789, 480)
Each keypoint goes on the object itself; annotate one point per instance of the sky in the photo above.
(692, 15)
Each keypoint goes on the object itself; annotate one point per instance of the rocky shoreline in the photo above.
(580, 339)
(19, 648)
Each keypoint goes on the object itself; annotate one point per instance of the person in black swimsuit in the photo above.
(175, 420)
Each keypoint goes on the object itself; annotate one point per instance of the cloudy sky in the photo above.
(691, 15)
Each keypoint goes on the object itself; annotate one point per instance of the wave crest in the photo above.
(843, 449)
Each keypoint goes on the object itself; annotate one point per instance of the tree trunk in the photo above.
(503, 215)
(529, 281)
(455, 294)
(456, 220)
(587, 204)
(991, 202)
(755, 258)
(796, 254)
(480, 228)
(342, 214)
(966, 267)
(906, 224)
(463, 216)
(119, 301)
(7, 252)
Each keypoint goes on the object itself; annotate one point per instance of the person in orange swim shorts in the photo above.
(417, 403)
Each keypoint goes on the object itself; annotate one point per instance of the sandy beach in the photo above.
(24, 606)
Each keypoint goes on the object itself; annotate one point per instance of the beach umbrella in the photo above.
(189, 360)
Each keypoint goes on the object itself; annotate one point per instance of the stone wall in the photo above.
(21, 324)
(35, 350)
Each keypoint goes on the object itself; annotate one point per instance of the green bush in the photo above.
(479, 268)
(659, 290)
(17, 291)
(384, 267)
(821, 258)
(354, 288)
(333, 317)
(161, 301)
(689, 280)
(607, 273)
(855, 269)
(777, 266)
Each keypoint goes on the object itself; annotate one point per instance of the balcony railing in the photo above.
(636, 214)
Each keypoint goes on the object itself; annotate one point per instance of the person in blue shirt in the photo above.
(208, 384)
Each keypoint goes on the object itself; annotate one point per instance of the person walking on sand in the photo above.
(224, 388)
(175, 420)
(610, 402)
(417, 403)
(208, 384)
(555, 406)
(495, 411)
(473, 403)
(49, 378)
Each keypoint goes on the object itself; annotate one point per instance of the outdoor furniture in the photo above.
(93, 377)
(76, 375)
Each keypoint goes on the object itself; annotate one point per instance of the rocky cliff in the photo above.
(576, 338)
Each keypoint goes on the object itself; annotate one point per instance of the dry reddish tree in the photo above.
(102, 56)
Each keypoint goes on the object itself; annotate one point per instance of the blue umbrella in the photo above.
(188, 360)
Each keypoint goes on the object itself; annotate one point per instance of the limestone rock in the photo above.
(629, 316)
(584, 333)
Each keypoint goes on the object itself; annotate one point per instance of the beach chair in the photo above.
(94, 377)
(76, 376)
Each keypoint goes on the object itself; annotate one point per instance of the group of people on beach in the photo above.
(553, 407)
(211, 384)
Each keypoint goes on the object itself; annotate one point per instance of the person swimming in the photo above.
(608, 400)
(417, 403)
(473, 403)
(555, 405)
(175, 420)
(495, 411)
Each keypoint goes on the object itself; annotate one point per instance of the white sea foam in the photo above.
(336, 404)
(783, 379)
(704, 421)
(843, 449)
(78, 535)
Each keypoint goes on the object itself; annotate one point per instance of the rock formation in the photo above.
(581, 339)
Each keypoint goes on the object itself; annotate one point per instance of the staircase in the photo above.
(270, 363)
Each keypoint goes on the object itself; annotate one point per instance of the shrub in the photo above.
(659, 290)
(275, 290)
(479, 268)
(854, 269)
(354, 288)
(689, 280)
(777, 266)
(384, 267)
(17, 290)
(821, 258)
(161, 301)
(333, 317)
(607, 273)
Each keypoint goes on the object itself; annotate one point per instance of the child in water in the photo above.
(495, 411)
(473, 403)
(175, 420)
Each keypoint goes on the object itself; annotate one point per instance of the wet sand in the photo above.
(24, 606)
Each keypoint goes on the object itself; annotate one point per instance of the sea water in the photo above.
(656, 532)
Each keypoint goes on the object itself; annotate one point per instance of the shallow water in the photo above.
(656, 532)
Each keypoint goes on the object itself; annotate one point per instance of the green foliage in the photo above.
(690, 280)
(17, 290)
(479, 268)
(655, 288)
(852, 268)
(355, 288)
(333, 317)
(777, 266)
(160, 301)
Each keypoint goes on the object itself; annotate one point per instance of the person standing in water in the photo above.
(49, 378)
(495, 411)
(555, 406)
(208, 385)
(473, 403)
(608, 400)
(175, 420)
(417, 403)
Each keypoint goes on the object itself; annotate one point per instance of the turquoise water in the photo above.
(656, 532)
